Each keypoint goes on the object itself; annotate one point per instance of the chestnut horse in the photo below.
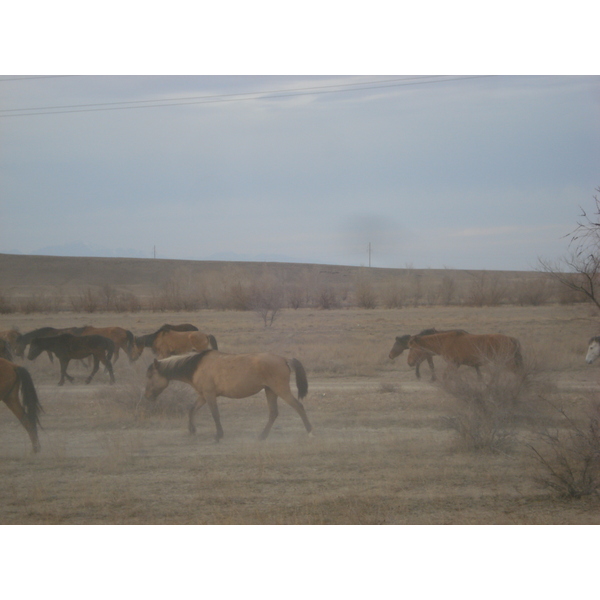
(460, 348)
(171, 343)
(12, 379)
(67, 346)
(401, 344)
(212, 374)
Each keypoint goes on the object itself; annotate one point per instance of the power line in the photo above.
(27, 77)
(238, 97)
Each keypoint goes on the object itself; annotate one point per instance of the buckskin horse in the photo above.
(460, 348)
(14, 378)
(146, 341)
(212, 374)
(68, 346)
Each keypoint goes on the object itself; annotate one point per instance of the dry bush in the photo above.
(447, 290)
(6, 305)
(393, 296)
(366, 296)
(532, 293)
(86, 301)
(488, 411)
(267, 301)
(327, 298)
(127, 302)
(486, 289)
(38, 303)
(295, 296)
(570, 459)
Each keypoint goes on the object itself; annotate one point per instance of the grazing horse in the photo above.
(122, 338)
(68, 346)
(12, 379)
(401, 344)
(593, 350)
(170, 340)
(212, 374)
(461, 348)
(24, 340)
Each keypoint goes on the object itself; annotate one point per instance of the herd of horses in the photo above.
(183, 353)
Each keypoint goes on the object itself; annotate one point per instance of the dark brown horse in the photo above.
(15, 379)
(122, 338)
(212, 374)
(460, 348)
(68, 346)
(22, 341)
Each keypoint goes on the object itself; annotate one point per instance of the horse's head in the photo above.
(593, 350)
(18, 345)
(136, 349)
(400, 345)
(35, 349)
(155, 382)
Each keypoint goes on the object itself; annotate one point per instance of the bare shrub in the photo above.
(393, 296)
(447, 290)
(267, 301)
(365, 295)
(6, 305)
(489, 409)
(570, 459)
(327, 298)
(127, 302)
(532, 293)
(296, 297)
(85, 301)
(38, 303)
(486, 289)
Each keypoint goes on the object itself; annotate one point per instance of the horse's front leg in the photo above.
(432, 367)
(64, 363)
(95, 369)
(214, 410)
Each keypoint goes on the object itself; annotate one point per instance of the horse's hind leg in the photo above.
(108, 367)
(432, 367)
(273, 412)
(214, 410)
(298, 407)
(12, 401)
(198, 404)
(94, 370)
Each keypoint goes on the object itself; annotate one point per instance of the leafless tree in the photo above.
(580, 269)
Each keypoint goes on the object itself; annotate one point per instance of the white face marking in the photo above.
(593, 352)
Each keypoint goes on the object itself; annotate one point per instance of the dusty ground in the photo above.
(382, 451)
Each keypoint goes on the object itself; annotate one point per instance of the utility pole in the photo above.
(369, 254)
(154, 251)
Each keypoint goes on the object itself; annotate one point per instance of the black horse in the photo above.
(68, 346)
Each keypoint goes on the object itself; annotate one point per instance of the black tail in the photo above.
(31, 403)
(301, 379)
(130, 342)
(212, 341)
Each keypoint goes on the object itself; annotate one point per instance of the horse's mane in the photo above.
(182, 366)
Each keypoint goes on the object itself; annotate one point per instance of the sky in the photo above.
(475, 170)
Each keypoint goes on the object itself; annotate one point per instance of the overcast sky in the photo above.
(461, 172)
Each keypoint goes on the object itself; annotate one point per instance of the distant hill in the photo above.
(26, 275)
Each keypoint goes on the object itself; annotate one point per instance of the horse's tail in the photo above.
(31, 402)
(212, 341)
(301, 379)
(130, 342)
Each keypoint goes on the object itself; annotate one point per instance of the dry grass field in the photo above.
(384, 449)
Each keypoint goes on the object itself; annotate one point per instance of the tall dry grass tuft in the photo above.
(488, 411)
(569, 459)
